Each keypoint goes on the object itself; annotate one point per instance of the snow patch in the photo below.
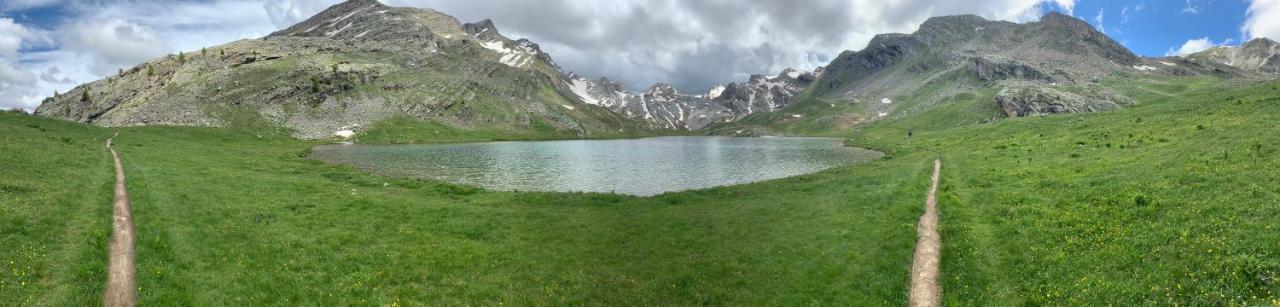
(568, 107)
(797, 115)
(353, 13)
(335, 32)
(1168, 64)
(886, 100)
(346, 133)
(1144, 68)
(793, 74)
(582, 88)
(495, 46)
(715, 92)
(510, 57)
(883, 114)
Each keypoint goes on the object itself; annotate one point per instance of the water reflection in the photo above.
(638, 166)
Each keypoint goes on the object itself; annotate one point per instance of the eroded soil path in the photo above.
(925, 290)
(122, 282)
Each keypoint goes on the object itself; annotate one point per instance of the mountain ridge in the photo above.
(361, 62)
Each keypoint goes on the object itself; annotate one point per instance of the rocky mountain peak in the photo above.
(608, 86)
(1056, 19)
(369, 20)
(480, 27)
(1258, 55)
(947, 23)
(948, 30)
(790, 73)
(1073, 35)
(1261, 42)
(887, 39)
(662, 89)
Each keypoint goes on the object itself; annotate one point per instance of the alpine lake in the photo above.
(641, 167)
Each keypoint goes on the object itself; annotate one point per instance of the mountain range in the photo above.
(361, 63)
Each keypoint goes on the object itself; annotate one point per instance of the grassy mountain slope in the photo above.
(1168, 201)
(971, 70)
(349, 67)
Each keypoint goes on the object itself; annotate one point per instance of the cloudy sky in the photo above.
(53, 45)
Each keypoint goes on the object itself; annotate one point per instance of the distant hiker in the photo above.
(909, 133)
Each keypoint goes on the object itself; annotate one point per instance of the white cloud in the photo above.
(1263, 20)
(285, 13)
(1125, 13)
(26, 4)
(98, 37)
(693, 44)
(1191, 8)
(697, 44)
(16, 83)
(16, 86)
(188, 26)
(12, 36)
(1068, 5)
(1195, 45)
(1097, 21)
(114, 43)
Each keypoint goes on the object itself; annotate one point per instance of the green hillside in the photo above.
(1171, 201)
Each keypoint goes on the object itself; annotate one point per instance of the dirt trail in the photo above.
(122, 282)
(925, 290)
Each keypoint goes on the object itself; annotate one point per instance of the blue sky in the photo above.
(55, 45)
(1152, 28)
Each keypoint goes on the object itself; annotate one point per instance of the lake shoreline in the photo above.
(639, 167)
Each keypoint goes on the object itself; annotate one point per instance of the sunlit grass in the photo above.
(1172, 201)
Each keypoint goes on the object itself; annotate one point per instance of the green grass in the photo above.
(55, 211)
(230, 218)
(1172, 201)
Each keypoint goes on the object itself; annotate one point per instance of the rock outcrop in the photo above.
(1025, 99)
(990, 70)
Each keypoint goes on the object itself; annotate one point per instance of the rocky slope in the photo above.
(1058, 64)
(663, 106)
(1258, 55)
(361, 62)
(350, 66)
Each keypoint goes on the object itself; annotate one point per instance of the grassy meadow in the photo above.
(1172, 201)
(229, 218)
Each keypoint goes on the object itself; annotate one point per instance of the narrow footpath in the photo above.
(925, 290)
(122, 282)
